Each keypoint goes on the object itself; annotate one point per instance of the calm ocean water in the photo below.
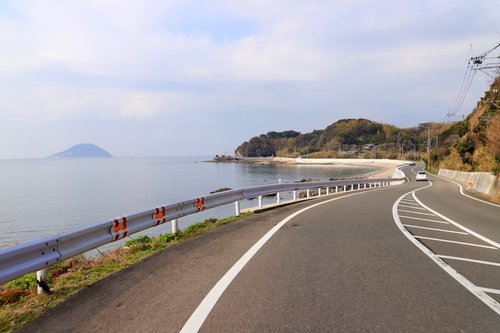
(45, 197)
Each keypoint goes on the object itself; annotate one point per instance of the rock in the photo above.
(222, 189)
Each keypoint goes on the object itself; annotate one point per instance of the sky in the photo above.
(192, 78)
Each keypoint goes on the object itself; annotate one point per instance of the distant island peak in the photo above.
(83, 150)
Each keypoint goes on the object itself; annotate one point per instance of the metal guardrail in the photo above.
(40, 254)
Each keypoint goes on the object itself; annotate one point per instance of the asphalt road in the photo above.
(344, 265)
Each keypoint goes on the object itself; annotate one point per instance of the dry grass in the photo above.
(454, 162)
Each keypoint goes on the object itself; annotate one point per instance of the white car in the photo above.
(421, 175)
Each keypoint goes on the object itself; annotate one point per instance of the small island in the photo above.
(84, 150)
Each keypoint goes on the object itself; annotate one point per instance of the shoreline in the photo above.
(386, 167)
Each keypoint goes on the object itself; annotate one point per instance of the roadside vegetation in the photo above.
(475, 140)
(19, 303)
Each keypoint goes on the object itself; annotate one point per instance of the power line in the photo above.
(481, 63)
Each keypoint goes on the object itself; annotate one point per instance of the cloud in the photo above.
(125, 62)
(146, 104)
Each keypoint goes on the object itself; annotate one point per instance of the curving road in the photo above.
(420, 257)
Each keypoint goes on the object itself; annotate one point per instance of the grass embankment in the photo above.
(20, 305)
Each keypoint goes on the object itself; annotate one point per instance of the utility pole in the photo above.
(437, 148)
(428, 147)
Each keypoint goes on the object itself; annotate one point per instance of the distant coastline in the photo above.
(386, 166)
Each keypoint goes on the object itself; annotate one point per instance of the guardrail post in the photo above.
(294, 195)
(319, 192)
(308, 193)
(260, 201)
(336, 189)
(327, 190)
(41, 279)
(175, 226)
(345, 188)
(237, 207)
(278, 198)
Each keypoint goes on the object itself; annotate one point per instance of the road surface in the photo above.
(419, 257)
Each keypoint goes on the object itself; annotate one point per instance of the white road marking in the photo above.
(473, 233)
(435, 229)
(466, 195)
(412, 203)
(419, 208)
(455, 242)
(199, 315)
(489, 290)
(476, 291)
(471, 260)
(409, 211)
(421, 219)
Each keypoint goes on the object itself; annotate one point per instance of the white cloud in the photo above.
(130, 61)
(146, 104)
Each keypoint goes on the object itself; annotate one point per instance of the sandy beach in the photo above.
(386, 167)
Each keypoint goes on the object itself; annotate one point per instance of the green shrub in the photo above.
(138, 240)
(27, 282)
(140, 243)
(167, 238)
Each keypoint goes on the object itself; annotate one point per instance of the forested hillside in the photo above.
(345, 138)
(470, 145)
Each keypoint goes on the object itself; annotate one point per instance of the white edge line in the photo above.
(476, 291)
(481, 237)
(491, 263)
(436, 229)
(199, 315)
(466, 195)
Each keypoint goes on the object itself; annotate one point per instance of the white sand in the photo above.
(387, 167)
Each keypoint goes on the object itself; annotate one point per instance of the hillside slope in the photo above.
(476, 139)
(346, 138)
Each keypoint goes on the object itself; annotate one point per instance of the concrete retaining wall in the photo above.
(482, 182)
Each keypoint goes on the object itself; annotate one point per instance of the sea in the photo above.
(46, 197)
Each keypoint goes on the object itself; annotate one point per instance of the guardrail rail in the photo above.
(42, 253)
